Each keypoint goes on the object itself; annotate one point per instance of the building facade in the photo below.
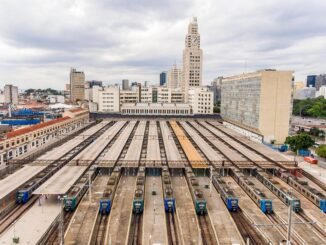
(163, 78)
(192, 58)
(125, 84)
(215, 87)
(321, 92)
(260, 102)
(201, 100)
(304, 93)
(320, 81)
(10, 94)
(77, 85)
(156, 109)
(109, 99)
(174, 77)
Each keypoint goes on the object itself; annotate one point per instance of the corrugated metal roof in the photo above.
(32, 128)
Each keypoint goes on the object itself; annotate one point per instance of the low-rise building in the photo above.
(305, 93)
(156, 109)
(26, 139)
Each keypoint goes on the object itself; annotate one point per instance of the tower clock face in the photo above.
(194, 41)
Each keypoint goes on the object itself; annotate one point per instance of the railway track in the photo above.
(172, 229)
(319, 230)
(206, 230)
(246, 229)
(101, 230)
(135, 235)
(314, 179)
(15, 213)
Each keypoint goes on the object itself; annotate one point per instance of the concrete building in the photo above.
(174, 77)
(156, 109)
(109, 99)
(91, 84)
(77, 85)
(259, 103)
(201, 100)
(320, 81)
(53, 99)
(129, 96)
(177, 96)
(125, 84)
(10, 93)
(321, 92)
(305, 93)
(192, 58)
(163, 78)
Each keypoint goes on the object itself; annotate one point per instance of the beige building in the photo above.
(156, 109)
(77, 85)
(109, 99)
(174, 77)
(129, 96)
(192, 58)
(201, 100)
(259, 102)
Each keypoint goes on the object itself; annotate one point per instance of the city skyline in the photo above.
(104, 40)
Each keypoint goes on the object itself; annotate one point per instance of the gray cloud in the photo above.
(111, 40)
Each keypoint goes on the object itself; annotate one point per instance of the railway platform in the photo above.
(154, 228)
(225, 228)
(120, 216)
(31, 226)
(80, 227)
(185, 212)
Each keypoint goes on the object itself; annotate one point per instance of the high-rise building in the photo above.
(125, 84)
(163, 78)
(215, 87)
(10, 94)
(258, 104)
(311, 81)
(174, 77)
(91, 84)
(320, 81)
(77, 85)
(192, 58)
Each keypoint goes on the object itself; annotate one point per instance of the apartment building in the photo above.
(10, 93)
(175, 77)
(259, 102)
(77, 85)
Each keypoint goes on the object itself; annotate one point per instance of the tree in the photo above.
(310, 107)
(299, 141)
(321, 151)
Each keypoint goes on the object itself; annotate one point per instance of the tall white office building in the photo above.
(174, 77)
(192, 58)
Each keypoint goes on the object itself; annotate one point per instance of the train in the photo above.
(169, 200)
(76, 193)
(265, 205)
(109, 192)
(315, 196)
(25, 192)
(138, 201)
(196, 193)
(227, 195)
(275, 187)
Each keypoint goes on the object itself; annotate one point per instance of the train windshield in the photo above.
(234, 202)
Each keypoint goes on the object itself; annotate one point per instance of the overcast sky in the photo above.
(137, 39)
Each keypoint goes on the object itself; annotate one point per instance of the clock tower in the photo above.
(192, 58)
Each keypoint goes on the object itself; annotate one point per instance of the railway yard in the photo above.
(132, 181)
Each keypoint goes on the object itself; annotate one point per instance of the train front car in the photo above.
(169, 200)
(266, 206)
(105, 202)
(200, 202)
(69, 203)
(22, 196)
(232, 204)
(322, 205)
(138, 202)
(296, 205)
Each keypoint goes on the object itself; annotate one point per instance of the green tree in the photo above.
(310, 107)
(299, 141)
(321, 151)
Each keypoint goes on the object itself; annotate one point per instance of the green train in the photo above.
(196, 194)
(77, 192)
(138, 202)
